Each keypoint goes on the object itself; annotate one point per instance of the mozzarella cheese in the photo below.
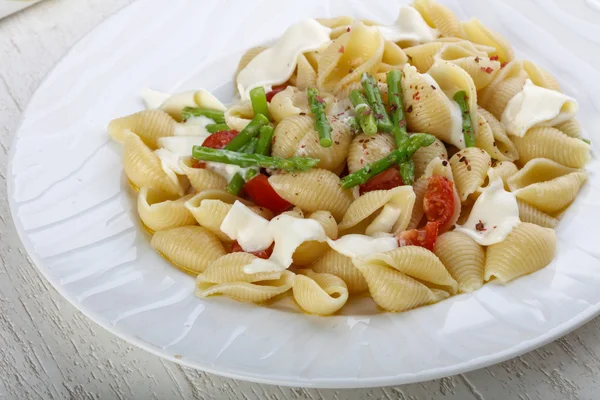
(362, 245)
(537, 106)
(409, 27)
(249, 229)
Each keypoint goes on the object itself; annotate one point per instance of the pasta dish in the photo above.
(408, 162)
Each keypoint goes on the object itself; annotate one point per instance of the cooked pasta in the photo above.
(528, 248)
(313, 187)
(319, 293)
(463, 258)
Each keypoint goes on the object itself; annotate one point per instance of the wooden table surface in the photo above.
(49, 350)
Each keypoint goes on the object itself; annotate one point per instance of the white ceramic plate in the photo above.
(77, 219)
(8, 7)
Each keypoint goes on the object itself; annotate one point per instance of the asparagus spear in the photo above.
(396, 103)
(467, 126)
(264, 140)
(258, 98)
(250, 131)
(403, 153)
(366, 118)
(214, 128)
(354, 125)
(235, 184)
(322, 126)
(249, 147)
(189, 112)
(374, 97)
(292, 164)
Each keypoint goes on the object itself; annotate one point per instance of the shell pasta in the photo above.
(360, 166)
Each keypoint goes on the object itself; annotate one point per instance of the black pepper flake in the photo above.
(409, 109)
(468, 167)
(433, 87)
(445, 163)
(480, 227)
(462, 159)
(302, 113)
(477, 59)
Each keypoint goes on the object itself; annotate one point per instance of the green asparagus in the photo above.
(366, 118)
(461, 98)
(396, 103)
(354, 125)
(403, 153)
(586, 140)
(189, 112)
(322, 126)
(214, 128)
(264, 140)
(235, 184)
(258, 98)
(243, 160)
(249, 147)
(250, 131)
(374, 97)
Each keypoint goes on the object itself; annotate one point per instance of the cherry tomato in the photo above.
(236, 248)
(425, 237)
(274, 91)
(218, 140)
(438, 203)
(388, 179)
(260, 192)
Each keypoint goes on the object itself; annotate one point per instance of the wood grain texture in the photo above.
(49, 350)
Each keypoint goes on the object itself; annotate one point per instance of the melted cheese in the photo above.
(289, 233)
(409, 27)
(362, 245)
(537, 106)
(227, 171)
(195, 126)
(494, 215)
(249, 229)
(277, 64)
(170, 163)
(174, 103)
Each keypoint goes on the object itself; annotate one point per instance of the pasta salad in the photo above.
(408, 162)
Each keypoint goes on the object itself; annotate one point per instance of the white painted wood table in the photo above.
(49, 350)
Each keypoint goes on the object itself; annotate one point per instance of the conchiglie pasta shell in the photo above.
(349, 56)
(381, 84)
(570, 128)
(541, 77)
(469, 168)
(177, 102)
(336, 22)
(491, 136)
(288, 103)
(425, 155)
(420, 188)
(476, 32)
(306, 75)
(247, 57)
(394, 291)
(463, 258)
(313, 190)
(416, 262)
(478, 67)
(319, 293)
(239, 115)
(555, 195)
(547, 142)
(230, 268)
(158, 212)
(526, 249)
(201, 179)
(296, 136)
(393, 57)
(528, 213)
(310, 251)
(536, 171)
(505, 91)
(189, 248)
(512, 70)
(503, 170)
(423, 56)
(144, 169)
(341, 266)
(367, 149)
(149, 125)
(439, 17)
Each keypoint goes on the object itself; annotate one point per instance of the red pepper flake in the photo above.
(319, 99)
(487, 70)
(348, 29)
(477, 59)
(494, 58)
(503, 64)
(402, 123)
(351, 70)
(480, 227)
(409, 109)
(341, 50)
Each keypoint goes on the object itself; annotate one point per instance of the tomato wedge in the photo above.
(217, 140)
(425, 237)
(274, 91)
(236, 248)
(262, 193)
(388, 179)
(438, 203)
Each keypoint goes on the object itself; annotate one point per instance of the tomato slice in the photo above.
(438, 203)
(388, 179)
(262, 193)
(266, 253)
(420, 237)
(276, 89)
(217, 140)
